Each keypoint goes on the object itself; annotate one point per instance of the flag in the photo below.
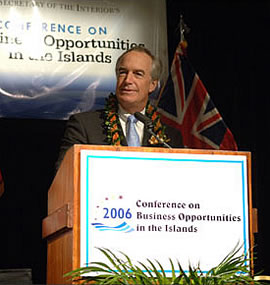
(1, 184)
(185, 104)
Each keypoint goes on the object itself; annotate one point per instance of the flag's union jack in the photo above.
(185, 104)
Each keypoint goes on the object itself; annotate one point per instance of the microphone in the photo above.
(147, 121)
(149, 127)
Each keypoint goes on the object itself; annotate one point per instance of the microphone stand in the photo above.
(159, 140)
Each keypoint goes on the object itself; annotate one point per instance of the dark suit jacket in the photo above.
(87, 128)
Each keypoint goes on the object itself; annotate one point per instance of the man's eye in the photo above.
(122, 72)
(139, 74)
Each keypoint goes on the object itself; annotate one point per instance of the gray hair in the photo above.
(156, 62)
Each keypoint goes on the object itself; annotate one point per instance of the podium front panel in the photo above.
(190, 207)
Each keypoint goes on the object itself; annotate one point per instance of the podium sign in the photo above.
(189, 207)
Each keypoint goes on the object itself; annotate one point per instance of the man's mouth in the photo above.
(125, 90)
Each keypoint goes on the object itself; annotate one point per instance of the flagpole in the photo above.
(184, 29)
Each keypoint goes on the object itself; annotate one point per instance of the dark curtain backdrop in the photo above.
(229, 49)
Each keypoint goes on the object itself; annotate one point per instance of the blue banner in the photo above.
(58, 58)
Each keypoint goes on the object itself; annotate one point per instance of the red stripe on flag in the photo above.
(195, 105)
(211, 120)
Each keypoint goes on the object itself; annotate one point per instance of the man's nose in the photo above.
(129, 77)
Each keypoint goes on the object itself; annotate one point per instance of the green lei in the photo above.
(113, 127)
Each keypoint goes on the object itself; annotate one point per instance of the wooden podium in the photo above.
(61, 227)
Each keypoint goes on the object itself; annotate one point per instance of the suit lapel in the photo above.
(124, 140)
(146, 137)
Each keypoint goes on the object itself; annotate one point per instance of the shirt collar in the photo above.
(123, 114)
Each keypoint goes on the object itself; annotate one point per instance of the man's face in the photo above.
(134, 81)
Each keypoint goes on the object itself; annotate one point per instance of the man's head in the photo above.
(138, 72)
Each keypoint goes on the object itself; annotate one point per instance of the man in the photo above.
(137, 72)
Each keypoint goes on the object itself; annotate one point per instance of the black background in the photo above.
(229, 49)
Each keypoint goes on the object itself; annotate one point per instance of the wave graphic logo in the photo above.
(124, 227)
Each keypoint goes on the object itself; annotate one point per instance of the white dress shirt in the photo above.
(123, 115)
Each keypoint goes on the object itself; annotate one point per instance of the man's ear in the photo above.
(153, 85)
